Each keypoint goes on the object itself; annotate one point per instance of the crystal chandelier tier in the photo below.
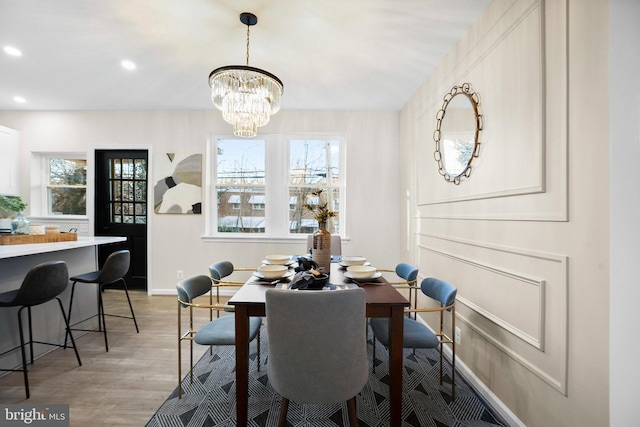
(247, 96)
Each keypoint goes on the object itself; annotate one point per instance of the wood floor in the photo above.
(122, 387)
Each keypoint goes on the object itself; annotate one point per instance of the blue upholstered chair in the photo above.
(317, 347)
(43, 283)
(407, 279)
(419, 335)
(219, 331)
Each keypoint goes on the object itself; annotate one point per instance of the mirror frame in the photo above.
(464, 90)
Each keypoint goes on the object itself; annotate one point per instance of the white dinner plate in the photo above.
(288, 263)
(260, 276)
(376, 275)
(341, 264)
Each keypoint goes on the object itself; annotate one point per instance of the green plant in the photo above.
(321, 211)
(10, 205)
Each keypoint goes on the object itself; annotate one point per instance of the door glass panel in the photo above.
(128, 198)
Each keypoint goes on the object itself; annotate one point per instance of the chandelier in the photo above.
(247, 96)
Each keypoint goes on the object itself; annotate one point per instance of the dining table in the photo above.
(382, 300)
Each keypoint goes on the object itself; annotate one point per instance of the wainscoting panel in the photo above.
(515, 299)
(521, 171)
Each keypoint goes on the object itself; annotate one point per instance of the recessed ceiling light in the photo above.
(128, 65)
(10, 50)
(19, 99)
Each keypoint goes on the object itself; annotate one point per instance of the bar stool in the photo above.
(42, 283)
(113, 270)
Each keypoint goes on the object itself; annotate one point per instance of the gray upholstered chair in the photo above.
(336, 244)
(317, 347)
(219, 331)
(419, 335)
(113, 271)
(220, 273)
(43, 283)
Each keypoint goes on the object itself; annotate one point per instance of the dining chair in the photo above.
(43, 283)
(219, 331)
(113, 271)
(417, 334)
(336, 244)
(317, 347)
(409, 281)
(409, 275)
(220, 273)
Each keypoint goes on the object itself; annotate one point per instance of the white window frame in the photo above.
(40, 175)
(276, 189)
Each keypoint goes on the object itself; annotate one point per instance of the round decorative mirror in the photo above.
(458, 126)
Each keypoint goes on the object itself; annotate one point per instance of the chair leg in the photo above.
(374, 354)
(66, 323)
(66, 335)
(30, 335)
(284, 407)
(258, 337)
(133, 316)
(102, 324)
(351, 408)
(24, 355)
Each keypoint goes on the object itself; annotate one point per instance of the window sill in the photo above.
(246, 238)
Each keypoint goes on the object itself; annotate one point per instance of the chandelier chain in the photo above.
(248, 45)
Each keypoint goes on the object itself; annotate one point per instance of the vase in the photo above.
(321, 248)
(20, 225)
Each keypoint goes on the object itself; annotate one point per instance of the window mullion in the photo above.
(277, 219)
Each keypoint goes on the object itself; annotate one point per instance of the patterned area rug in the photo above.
(210, 400)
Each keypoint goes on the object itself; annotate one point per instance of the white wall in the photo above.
(624, 150)
(525, 238)
(176, 240)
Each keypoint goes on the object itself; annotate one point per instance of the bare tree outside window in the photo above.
(240, 179)
(314, 165)
(252, 193)
(67, 187)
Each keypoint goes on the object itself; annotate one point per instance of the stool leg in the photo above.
(133, 316)
(24, 355)
(66, 323)
(66, 335)
(101, 317)
(30, 334)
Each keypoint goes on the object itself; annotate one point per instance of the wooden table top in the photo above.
(378, 293)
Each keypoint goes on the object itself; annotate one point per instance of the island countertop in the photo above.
(10, 251)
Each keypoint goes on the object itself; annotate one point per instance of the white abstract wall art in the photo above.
(178, 183)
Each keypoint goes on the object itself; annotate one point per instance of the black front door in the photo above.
(121, 208)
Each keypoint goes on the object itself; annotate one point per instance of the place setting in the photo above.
(364, 275)
(274, 269)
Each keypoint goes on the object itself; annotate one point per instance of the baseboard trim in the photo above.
(484, 391)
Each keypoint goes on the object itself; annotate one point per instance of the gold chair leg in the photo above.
(284, 407)
(351, 408)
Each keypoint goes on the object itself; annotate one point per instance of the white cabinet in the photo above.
(9, 161)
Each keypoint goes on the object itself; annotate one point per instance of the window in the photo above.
(66, 186)
(313, 165)
(261, 186)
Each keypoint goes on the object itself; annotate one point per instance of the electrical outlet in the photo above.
(458, 334)
(180, 274)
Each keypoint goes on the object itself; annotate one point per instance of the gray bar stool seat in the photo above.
(43, 283)
(113, 271)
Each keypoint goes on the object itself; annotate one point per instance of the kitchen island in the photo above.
(48, 325)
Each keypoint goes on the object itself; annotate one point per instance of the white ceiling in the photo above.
(330, 54)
